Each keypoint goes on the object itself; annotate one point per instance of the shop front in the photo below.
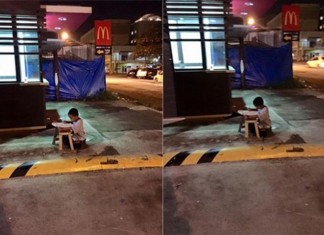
(22, 91)
(197, 79)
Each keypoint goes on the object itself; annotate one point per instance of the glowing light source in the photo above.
(64, 35)
(249, 4)
(62, 18)
(244, 13)
(251, 21)
(57, 28)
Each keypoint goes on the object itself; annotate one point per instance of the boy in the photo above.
(264, 122)
(78, 133)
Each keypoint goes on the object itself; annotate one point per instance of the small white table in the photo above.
(62, 129)
(249, 116)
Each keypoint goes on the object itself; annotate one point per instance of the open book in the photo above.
(62, 125)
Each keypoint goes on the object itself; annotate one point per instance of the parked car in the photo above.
(147, 73)
(159, 76)
(151, 73)
(141, 73)
(317, 61)
(132, 73)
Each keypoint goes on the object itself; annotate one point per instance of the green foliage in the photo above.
(149, 45)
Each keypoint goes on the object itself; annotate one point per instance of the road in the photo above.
(313, 77)
(142, 91)
(101, 202)
(256, 197)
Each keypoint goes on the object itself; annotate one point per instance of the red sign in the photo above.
(102, 33)
(290, 18)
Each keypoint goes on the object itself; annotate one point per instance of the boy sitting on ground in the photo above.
(78, 133)
(264, 121)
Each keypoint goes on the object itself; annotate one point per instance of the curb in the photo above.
(247, 153)
(77, 164)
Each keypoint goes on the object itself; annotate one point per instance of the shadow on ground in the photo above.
(112, 128)
(297, 117)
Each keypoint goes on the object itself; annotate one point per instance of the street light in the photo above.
(251, 21)
(64, 35)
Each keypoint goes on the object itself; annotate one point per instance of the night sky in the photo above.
(109, 9)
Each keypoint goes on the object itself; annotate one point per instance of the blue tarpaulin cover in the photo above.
(264, 67)
(77, 79)
(48, 73)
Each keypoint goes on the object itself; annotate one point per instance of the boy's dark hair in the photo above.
(73, 112)
(258, 101)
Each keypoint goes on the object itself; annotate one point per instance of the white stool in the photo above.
(255, 122)
(60, 134)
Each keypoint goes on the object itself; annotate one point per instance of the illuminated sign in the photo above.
(102, 33)
(290, 18)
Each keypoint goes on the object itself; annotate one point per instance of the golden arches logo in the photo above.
(292, 17)
(103, 31)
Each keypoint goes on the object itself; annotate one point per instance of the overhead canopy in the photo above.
(65, 18)
(61, 18)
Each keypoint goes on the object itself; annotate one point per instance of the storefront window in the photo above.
(19, 47)
(29, 63)
(197, 34)
(215, 54)
(7, 65)
(186, 54)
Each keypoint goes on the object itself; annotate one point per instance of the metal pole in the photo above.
(56, 74)
(242, 62)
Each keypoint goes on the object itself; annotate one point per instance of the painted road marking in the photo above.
(214, 155)
(245, 153)
(209, 156)
(22, 169)
(78, 164)
(178, 158)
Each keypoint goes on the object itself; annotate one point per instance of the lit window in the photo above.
(27, 50)
(7, 66)
(190, 48)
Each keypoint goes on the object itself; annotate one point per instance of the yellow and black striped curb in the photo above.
(219, 155)
(214, 155)
(69, 165)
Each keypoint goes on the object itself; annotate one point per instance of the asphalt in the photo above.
(308, 77)
(102, 202)
(141, 91)
(280, 196)
(113, 127)
(297, 117)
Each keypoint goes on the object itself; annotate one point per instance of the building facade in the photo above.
(124, 36)
(22, 95)
(311, 32)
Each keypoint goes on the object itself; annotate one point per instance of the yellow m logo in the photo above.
(292, 17)
(103, 32)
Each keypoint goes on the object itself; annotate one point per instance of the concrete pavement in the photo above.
(112, 127)
(297, 117)
(281, 196)
(102, 202)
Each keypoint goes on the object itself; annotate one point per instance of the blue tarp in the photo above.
(77, 79)
(48, 73)
(264, 67)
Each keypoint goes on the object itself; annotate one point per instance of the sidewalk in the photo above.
(112, 128)
(297, 117)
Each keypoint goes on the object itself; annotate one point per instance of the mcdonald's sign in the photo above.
(290, 18)
(102, 33)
